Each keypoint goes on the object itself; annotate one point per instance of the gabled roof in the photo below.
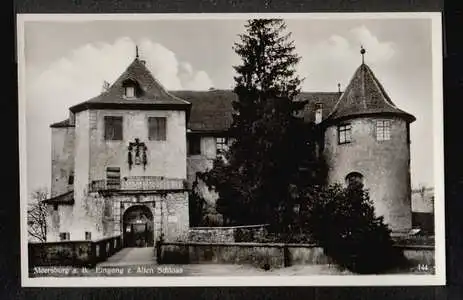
(365, 96)
(65, 198)
(152, 94)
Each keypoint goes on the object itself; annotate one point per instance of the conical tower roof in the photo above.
(365, 96)
(150, 93)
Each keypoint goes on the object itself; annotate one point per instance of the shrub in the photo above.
(343, 222)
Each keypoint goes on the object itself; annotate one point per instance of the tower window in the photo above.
(88, 236)
(344, 133)
(113, 128)
(383, 130)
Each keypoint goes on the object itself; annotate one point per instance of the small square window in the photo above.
(383, 130)
(194, 145)
(344, 134)
(88, 236)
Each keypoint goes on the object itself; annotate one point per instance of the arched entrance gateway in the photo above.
(138, 227)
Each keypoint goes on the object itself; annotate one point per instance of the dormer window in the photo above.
(131, 89)
(130, 92)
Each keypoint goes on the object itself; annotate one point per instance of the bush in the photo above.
(343, 222)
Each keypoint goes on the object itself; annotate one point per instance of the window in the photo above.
(129, 91)
(157, 129)
(354, 178)
(64, 236)
(113, 128)
(194, 145)
(88, 236)
(71, 179)
(383, 130)
(221, 145)
(113, 178)
(344, 133)
(55, 207)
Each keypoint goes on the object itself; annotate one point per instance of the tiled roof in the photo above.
(66, 198)
(365, 96)
(153, 94)
(212, 110)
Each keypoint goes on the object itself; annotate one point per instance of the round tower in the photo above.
(367, 138)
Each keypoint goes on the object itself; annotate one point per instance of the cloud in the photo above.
(80, 75)
(336, 58)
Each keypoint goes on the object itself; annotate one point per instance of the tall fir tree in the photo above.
(259, 181)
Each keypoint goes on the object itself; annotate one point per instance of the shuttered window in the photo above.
(113, 178)
(157, 129)
(113, 128)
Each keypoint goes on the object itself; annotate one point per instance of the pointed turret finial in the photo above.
(362, 51)
(136, 51)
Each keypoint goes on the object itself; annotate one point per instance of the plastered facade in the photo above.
(385, 166)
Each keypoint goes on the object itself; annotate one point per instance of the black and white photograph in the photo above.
(231, 149)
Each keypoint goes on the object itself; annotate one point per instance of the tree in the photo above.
(196, 206)
(256, 182)
(37, 214)
(343, 222)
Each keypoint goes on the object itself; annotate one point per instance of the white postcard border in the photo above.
(315, 280)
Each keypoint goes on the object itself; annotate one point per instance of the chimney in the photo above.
(72, 118)
(318, 113)
(339, 88)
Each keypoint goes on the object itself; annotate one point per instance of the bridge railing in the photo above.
(73, 253)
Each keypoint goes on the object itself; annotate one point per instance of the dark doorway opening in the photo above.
(138, 227)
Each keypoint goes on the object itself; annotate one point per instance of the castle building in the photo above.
(123, 162)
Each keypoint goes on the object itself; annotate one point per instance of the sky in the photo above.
(66, 63)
